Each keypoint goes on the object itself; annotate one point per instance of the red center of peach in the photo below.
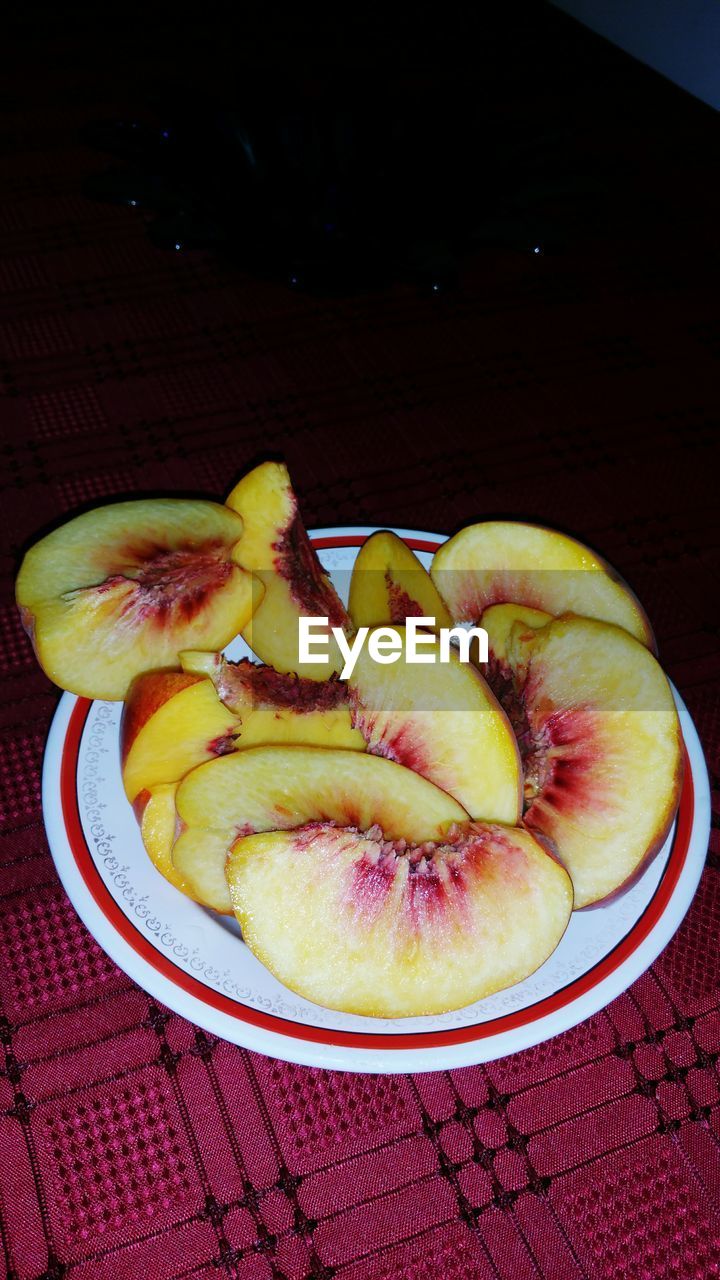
(176, 581)
(401, 604)
(261, 685)
(297, 562)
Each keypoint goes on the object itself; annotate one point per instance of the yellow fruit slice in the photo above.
(442, 720)
(352, 923)
(278, 788)
(277, 549)
(503, 561)
(122, 589)
(389, 584)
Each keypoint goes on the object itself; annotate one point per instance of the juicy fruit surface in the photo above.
(274, 708)
(499, 621)
(353, 923)
(275, 546)
(278, 788)
(389, 584)
(155, 810)
(602, 749)
(274, 788)
(442, 720)
(120, 590)
(171, 723)
(501, 562)
(198, 860)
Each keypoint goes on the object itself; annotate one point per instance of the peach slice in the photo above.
(122, 589)
(277, 549)
(502, 562)
(278, 788)
(171, 722)
(357, 923)
(499, 621)
(155, 811)
(274, 708)
(198, 858)
(601, 745)
(389, 584)
(442, 720)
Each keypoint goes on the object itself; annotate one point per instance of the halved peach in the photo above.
(389, 584)
(171, 722)
(503, 561)
(601, 746)
(276, 548)
(122, 589)
(358, 923)
(442, 720)
(274, 708)
(278, 788)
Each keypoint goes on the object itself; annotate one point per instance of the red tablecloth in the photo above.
(578, 390)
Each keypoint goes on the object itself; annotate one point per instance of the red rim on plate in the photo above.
(358, 1039)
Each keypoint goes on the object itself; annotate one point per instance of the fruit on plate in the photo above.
(503, 561)
(277, 549)
(155, 811)
(171, 722)
(278, 708)
(600, 739)
(120, 590)
(389, 584)
(278, 788)
(362, 924)
(442, 720)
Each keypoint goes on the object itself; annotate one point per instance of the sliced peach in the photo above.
(503, 561)
(198, 859)
(601, 746)
(442, 720)
(274, 708)
(499, 621)
(277, 549)
(278, 788)
(122, 589)
(357, 923)
(155, 810)
(389, 584)
(171, 722)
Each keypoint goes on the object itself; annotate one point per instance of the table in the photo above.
(576, 388)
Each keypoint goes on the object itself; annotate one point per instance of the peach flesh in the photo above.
(271, 788)
(297, 562)
(427, 890)
(389, 585)
(147, 694)
(275, 547)
(246, 681)
(600, 743)
(356, 922)
(510, 562)
(401, 604)
(442, 721)
(172, 583)
(121, 589)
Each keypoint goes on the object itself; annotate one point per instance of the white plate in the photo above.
(195, 962)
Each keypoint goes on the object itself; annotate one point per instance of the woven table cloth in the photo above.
(577, 389)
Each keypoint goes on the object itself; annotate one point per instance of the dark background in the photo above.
(455, 265)
(577, 386)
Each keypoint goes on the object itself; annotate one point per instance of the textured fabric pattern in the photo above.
(579, 390)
